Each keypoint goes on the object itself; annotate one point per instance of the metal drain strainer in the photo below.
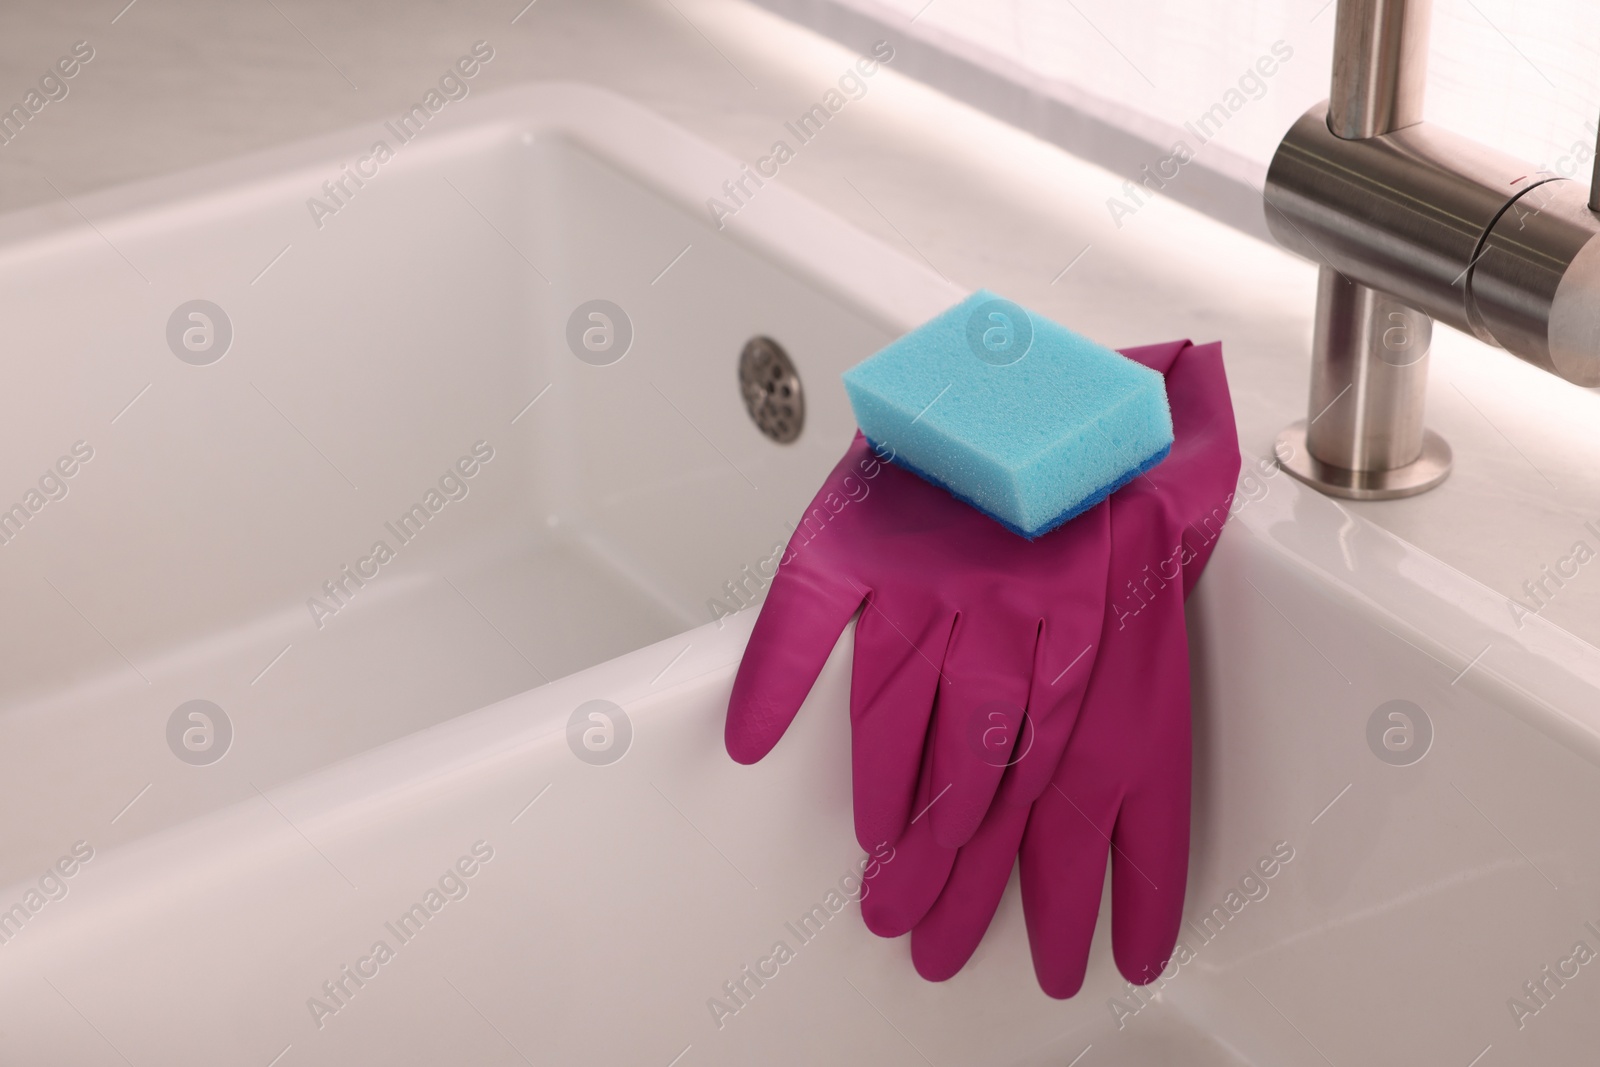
(771, 388)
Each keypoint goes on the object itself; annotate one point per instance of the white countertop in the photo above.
(176, 83)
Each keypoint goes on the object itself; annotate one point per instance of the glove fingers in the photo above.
(892, 687)
(1063, 875)
(1149, 866)
(1145, 691)
(1069, 642)
(799, 624)
(946, 938)
(906, 888)
(982, 693)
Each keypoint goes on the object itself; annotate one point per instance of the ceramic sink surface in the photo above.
(416, 325)
(1417, 764)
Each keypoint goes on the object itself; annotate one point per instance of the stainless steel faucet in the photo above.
(1412, 223)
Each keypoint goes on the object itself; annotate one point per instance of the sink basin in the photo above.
(372, 350)
(498, 756)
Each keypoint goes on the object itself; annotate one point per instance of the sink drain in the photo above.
(771, 389)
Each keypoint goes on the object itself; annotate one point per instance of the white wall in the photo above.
(1523, 75)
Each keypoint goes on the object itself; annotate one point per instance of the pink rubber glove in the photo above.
(1123, 783)
(958, 610)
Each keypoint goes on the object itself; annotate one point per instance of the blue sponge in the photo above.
(1018, 416)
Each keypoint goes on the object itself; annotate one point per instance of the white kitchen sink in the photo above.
(421, 319)
(425, 722)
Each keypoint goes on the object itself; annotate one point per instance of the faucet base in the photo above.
(1418, 476)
